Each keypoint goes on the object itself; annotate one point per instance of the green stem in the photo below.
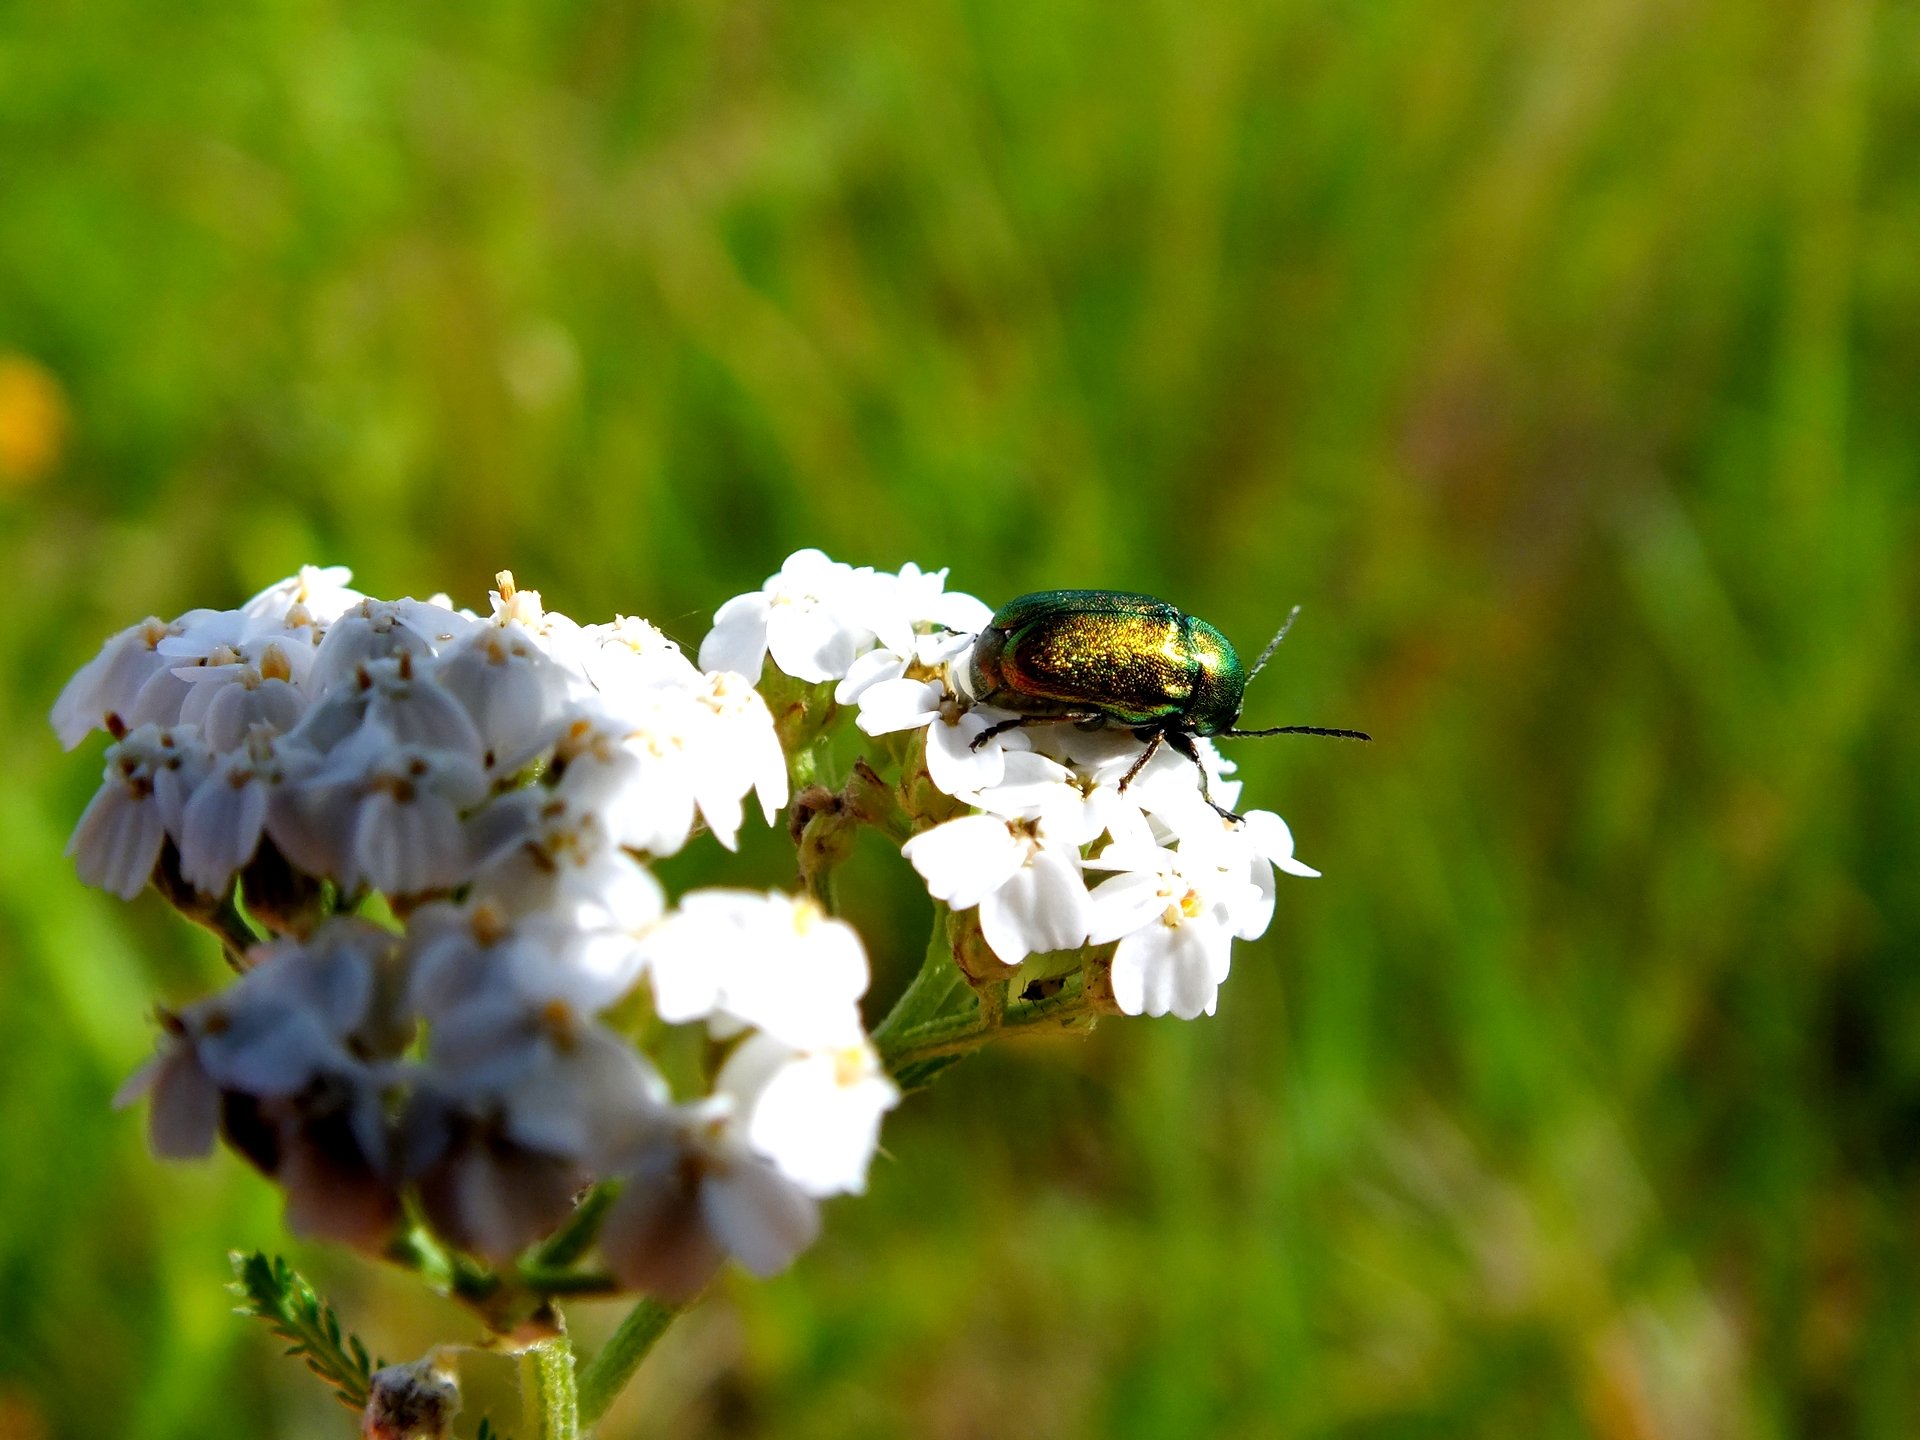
(218, 916)
(236, 935)
(548, 1389)
(576, 1235)
(607, 1374)
(415, 1249)
(950, 1036)
(823, 832)
(550, 1284)
(446, 1271)
(929, 990)
(874, 802)
(805, 767)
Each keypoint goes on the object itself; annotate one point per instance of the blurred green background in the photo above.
(1563, 361)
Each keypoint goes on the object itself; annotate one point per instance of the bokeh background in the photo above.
(1563, 361)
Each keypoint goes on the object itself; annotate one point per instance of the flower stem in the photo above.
(548, 1389)
(929, 990)
(607, 1374)
(219, 916)
(550, 1284)
(908, 1049)
(823, 828)
(576, 1235)
(874, 802)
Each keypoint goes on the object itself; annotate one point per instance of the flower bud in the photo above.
(416, 1401)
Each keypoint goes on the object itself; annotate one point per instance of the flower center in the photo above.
(849, 1066)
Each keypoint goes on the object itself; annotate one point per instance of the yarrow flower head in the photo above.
(503, 782)
(427, 839)
(1042, 802)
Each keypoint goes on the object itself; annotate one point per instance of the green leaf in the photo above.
(274, 1292)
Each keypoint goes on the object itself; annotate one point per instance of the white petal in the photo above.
(236, 709)
(117, 842)
(313, 825)
(322, 589)
(1125, 821)
(1270, 836)
(1180, 808)
(718, 797)
(966, 859)
(654, 812)
(955, 766)
(657, 1240)
(738, 640)
(268, 1050)
(407, 848)
(1167, 969)
(108, 683)
(1123, 903)
(816, 1116)
(759, 1215)
(941, 648)
(1042, 907)
(185, 1108)
(867, 671)
(1030, 786)
(198, 633)
(333, 974)
(809, 642)
(595, 1086)
(686, 965)
(798, 975)
(903, 704)
(423, 714)
(767, 765)
(594, 968)
(956, 610)
(178, 779)
(159, 700)
(220, 830)
(1251, 916)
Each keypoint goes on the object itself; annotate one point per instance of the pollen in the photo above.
(849, 1066)
(488, 924)
(557, 1019)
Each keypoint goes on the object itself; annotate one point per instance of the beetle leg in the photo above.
(1184, 744)
(1159, 738)
(1020, 722)
(999, 729)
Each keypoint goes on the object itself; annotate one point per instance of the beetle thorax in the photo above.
(1219, 680)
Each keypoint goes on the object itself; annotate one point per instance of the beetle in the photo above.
(1113, 659)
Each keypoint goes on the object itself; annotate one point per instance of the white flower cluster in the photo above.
(1181, 883)
(501, 781)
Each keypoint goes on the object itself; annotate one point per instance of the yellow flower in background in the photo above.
(33, 420)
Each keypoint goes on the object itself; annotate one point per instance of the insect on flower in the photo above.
(1110, 659)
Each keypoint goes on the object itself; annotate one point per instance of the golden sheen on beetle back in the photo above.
(1114, 659)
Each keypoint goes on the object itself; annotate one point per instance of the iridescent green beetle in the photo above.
(1114, 660)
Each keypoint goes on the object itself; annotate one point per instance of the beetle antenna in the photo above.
(1295, 730)
(1273, 644)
